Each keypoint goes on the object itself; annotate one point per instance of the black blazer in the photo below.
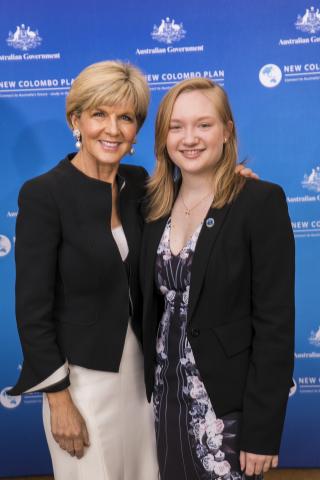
(241, 310)
(72, 299)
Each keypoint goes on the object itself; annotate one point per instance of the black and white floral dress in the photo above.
(192, 443)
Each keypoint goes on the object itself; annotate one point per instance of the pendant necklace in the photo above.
(187, 210)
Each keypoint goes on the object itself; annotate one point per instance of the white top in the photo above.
(121, 241)
(62, 372)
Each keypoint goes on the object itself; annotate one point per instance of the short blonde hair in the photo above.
(161, 186)
(108, 83)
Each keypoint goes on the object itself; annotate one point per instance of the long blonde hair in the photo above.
(161, 186)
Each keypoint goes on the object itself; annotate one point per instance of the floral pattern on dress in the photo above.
(184, 416)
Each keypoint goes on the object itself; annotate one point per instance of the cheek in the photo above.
(171, 144)
(130, 133)
(89, 131)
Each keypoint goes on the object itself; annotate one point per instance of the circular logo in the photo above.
(270, 75)
(5, 246)
(293, 389)
(7, 401)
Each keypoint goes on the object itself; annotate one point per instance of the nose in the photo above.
(112, 127)
(190, 137)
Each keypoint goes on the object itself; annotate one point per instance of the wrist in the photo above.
(59, 398)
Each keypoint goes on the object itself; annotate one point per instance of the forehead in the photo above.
(119, 107)
(196, 103)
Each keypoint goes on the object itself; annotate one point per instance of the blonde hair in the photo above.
(161, 185)
(108, 83)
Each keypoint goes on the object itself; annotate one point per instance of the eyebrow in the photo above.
(206, 117)
(124, 112)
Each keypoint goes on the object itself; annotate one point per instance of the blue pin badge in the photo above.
(210, 222)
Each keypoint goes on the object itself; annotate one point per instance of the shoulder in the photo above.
(257, 193)
(262, 188)
(43, 185)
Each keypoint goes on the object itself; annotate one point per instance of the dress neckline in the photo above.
(189, 240)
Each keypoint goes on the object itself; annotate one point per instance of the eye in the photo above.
(174, 127)
(205, 125)
(98, 113)
(128, 118)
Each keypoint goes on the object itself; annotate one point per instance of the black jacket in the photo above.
(241, 310)
(72, 299)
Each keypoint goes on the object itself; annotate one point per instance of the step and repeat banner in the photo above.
(266, 55)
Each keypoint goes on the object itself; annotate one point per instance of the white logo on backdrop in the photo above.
(312, 181)
(314, 338)
(24, 38)
(310, 21)
(7, 401)
(168, 31)
(5, 245)
(270, 75)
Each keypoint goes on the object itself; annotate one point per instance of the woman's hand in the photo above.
(67, 425)
(246, 172)
(253, 464)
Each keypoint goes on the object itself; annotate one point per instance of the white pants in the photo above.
(119, 421)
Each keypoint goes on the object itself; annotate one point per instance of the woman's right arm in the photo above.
(38, 236)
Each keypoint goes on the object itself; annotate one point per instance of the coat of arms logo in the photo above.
(312, 181)
(168, 31)
(23, 38)
(310, 21)
(314, 338)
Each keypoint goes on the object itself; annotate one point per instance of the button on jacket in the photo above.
(72, 288)
(241, 310)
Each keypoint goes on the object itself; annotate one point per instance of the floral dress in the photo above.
(192, 443)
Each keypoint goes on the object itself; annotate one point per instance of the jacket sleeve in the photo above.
(38, 237)
(271, 366)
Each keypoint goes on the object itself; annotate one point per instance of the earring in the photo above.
(77, 135)
(225, 140)
(132, 151)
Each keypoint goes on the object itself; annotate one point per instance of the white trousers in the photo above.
(119, 421)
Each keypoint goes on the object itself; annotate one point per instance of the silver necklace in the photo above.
(187, 210)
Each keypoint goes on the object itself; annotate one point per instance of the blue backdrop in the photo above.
(266, 54)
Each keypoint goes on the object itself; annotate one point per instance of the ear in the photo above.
(228, 129)
(75, 121)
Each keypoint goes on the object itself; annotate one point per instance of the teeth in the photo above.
(109, 144)
(190, 153)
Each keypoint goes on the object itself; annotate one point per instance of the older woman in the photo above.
(77, 296)
(217, 269)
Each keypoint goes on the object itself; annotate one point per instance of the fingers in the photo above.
(78, 448)
(253, 464)
(242, 461)
(247, 172)
(85, 435)
(75, 447)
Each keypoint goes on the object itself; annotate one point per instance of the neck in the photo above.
(195, 185)
(95, 169)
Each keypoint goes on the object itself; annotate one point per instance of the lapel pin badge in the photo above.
(210, 222)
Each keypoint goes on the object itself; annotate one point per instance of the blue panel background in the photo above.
(278, 132)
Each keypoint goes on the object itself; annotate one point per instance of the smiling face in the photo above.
(107, 133)
(196, 134)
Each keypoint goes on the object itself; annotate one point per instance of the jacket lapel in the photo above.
(209, 233)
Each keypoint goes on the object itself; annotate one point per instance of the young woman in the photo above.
(217, 270)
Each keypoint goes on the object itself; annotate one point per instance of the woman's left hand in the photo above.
(253, 464)
(246, 172)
